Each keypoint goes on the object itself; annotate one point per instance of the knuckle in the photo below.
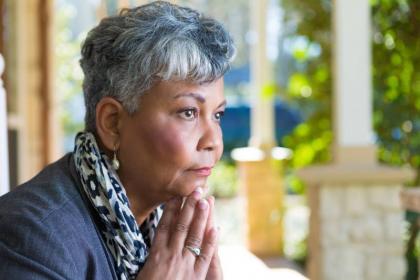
(172, 259)
(193, 241)
(164, 227)
(181, 227)
(155, 256)
(212, 244)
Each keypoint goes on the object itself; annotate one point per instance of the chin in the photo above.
(189, 187)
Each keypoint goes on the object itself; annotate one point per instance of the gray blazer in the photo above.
(49, 230)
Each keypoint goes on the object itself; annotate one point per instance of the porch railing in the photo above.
(4, 154)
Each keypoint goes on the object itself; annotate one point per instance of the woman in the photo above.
(153, 91)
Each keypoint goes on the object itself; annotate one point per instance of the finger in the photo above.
(216, 260)
(210, 220)
(207, 251)
(180, 230)
(198, 226)
(215, 267)
(175, 218)
(214, 263)
(170, 213)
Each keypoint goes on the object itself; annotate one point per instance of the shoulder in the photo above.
(53, 187)
(47, 227)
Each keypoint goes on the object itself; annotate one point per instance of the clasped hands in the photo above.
(183, 228)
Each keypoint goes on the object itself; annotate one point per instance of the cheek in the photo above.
(220, 146)
(171, 145)
(220, 152)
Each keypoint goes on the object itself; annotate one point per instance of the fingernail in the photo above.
(203, 204)
(198, 192)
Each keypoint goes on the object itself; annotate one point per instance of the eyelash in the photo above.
(218, 116)
(183, 112)
(221, 114)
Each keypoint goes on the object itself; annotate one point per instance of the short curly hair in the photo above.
(125, 55)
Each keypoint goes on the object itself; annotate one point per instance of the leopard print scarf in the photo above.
(127, 242)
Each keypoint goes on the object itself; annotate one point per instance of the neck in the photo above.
(141, 208)
(142, 200)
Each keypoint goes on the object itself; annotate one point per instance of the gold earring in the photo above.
(115, 163)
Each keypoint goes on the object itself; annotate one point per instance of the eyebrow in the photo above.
(198, 97)
(222, 104)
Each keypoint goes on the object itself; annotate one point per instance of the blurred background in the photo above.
(321, 133)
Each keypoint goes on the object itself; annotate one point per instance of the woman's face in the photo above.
(169, 146)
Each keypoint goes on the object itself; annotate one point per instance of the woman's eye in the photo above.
(218, 116)
(188, 114)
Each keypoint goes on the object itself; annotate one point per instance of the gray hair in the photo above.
(125, 55)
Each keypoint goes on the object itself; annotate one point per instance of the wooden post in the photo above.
(30, 82)
(260, 164)
(352, 83)
(262, 109)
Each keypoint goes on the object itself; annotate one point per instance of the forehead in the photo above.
(175, 90)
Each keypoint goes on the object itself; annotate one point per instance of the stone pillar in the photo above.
(4, 151)
(260, 164)
(356, 220)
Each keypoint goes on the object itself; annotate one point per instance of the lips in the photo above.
(204, 171)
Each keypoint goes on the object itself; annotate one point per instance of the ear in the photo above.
(108, 118)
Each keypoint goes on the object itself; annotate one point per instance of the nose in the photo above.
(211, 137)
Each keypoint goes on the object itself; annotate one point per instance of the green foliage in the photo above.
(294, 184)
(396, 80)
(309, 86)
(223, 181)
(396, 72)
